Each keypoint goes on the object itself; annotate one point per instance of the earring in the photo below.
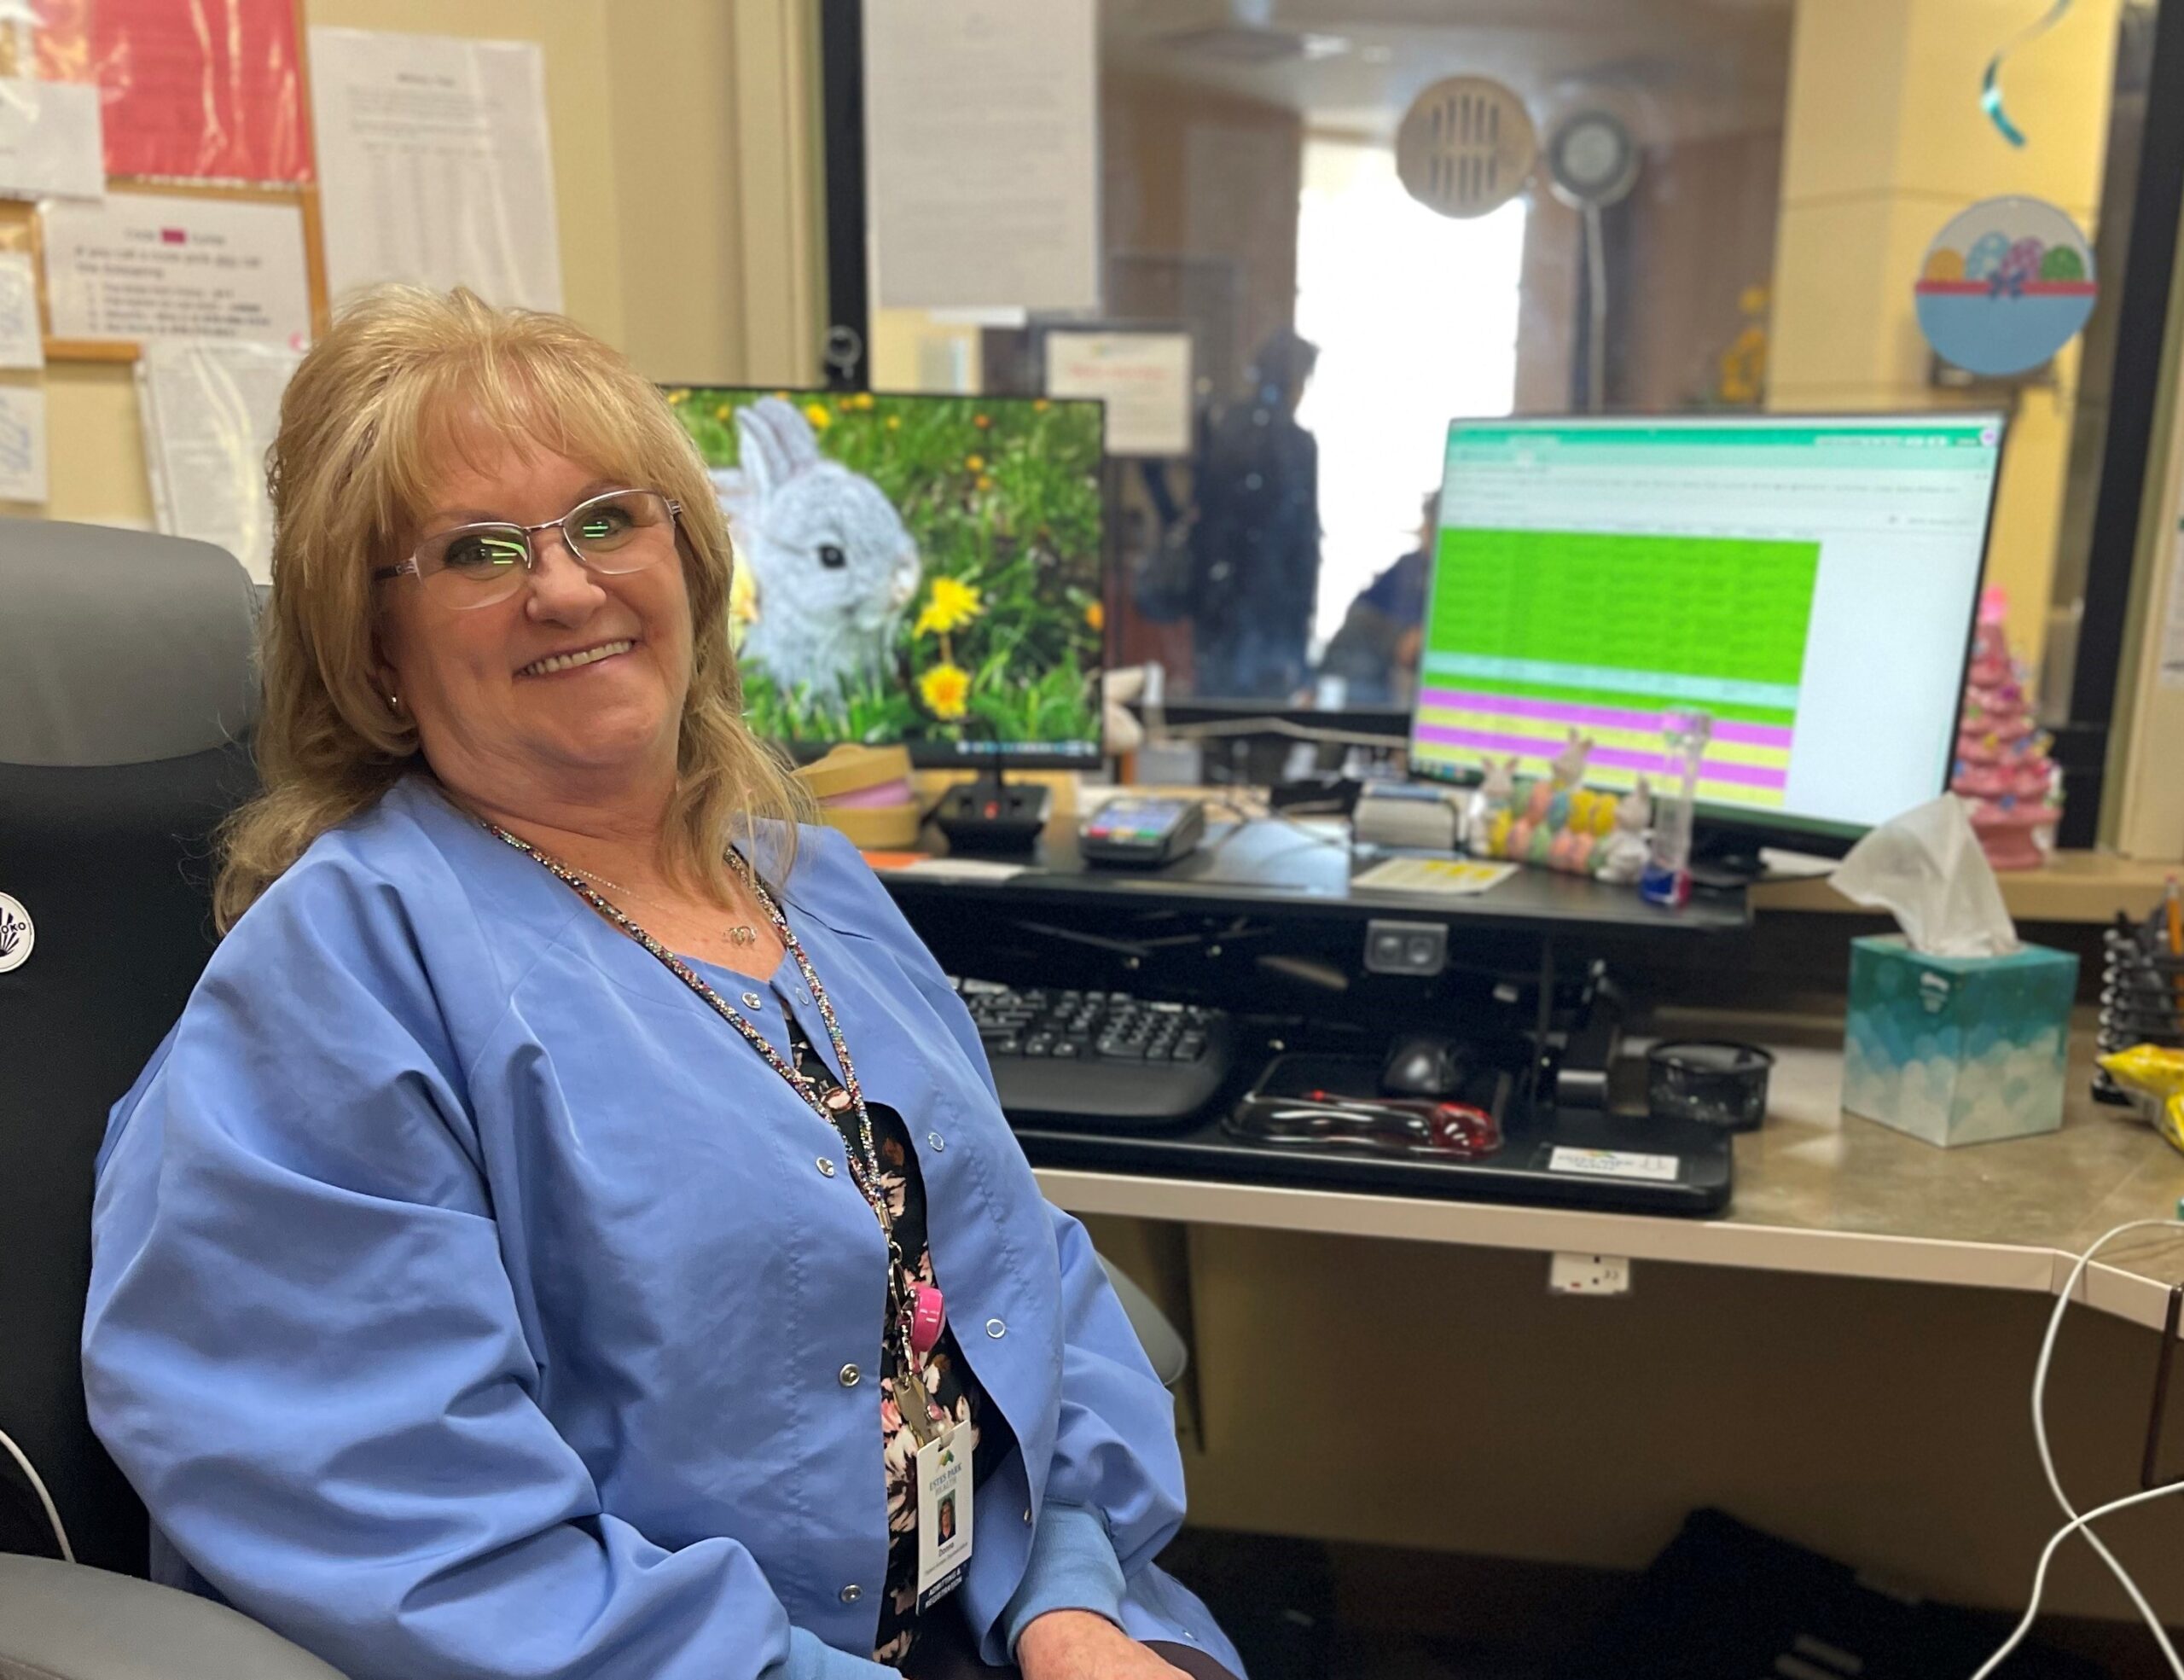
(394, 702)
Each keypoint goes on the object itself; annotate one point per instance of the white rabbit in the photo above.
(1622, 856)
(833, 566)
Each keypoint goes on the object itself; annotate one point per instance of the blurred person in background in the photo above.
(1375, 650)
(1254, 547)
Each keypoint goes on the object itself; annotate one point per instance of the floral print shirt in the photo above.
(947, 1377)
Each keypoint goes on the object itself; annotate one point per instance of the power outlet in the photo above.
(1589, 1275)
(1419, 948)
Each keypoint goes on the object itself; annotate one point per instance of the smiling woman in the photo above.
(520, 1257)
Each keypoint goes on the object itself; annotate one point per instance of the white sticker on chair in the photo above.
(17, 936)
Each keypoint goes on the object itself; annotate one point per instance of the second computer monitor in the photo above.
(919, 569)
(1809, 582)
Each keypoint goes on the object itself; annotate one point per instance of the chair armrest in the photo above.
(1166, 1350)
(63, 1621)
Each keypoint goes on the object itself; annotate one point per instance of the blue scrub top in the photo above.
(469, 1299)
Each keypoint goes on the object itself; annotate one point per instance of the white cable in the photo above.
(38, 1486)
(2076, 1524)
(2047, 1458)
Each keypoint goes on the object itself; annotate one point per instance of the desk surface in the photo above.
(1305, 868)
(1818, 1191)
(2080, 887)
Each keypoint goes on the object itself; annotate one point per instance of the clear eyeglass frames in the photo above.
(473, 566)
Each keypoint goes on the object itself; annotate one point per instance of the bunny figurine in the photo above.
(1622, 856)
(832, 564)
(1489, 802)
(1570, 762)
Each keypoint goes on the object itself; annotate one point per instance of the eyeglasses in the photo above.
(474, 566)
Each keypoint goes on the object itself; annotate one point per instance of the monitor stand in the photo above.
(993, 814)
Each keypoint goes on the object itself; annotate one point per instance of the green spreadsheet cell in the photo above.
(1731, 608)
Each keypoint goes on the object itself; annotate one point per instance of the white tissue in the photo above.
(1926, 869)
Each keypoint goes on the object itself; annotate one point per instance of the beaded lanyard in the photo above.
(864, 1158)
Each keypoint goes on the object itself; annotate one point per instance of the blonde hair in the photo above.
(406, 378)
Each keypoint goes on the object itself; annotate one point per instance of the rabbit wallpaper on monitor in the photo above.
(833, 566)
(914, 566)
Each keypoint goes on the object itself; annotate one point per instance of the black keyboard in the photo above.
(1099, 1058)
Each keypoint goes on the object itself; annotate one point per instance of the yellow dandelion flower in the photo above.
(943, 690)
(976, 463)
(894, 422)
(675, 397)
(952, 605)
(742, 596)
(1095, 615)
(984, 482)
(1040, 405)
(819, 415)
(981, 422)
(723, 412)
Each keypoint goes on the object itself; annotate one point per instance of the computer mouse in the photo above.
(1423, 1067)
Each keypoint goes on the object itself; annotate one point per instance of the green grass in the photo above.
(1001, 494)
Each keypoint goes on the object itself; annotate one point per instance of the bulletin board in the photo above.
(252, 146)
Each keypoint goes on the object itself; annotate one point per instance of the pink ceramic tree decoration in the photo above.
(2002, 768)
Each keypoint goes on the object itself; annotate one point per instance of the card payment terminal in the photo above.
(1142, 833)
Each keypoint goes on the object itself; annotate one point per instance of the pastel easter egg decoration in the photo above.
(2023, 263)
(2027, 286)
(1986, 257)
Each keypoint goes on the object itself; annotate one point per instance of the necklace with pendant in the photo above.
(742, 933)
(918, 1309)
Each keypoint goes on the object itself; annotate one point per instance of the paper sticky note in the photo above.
(20, 344)
(22, 444)
(50, 140)
(1452, 877)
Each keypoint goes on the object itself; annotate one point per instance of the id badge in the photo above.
(943, 1474)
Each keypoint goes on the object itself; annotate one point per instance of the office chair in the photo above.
(127, 695)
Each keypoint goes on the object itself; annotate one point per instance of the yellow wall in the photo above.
(1886, 141)
(686, 201)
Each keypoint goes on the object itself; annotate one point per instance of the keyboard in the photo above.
(1099, 1058)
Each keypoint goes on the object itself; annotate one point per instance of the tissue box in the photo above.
(1957, 1049)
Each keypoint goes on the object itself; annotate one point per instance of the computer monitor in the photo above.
(1810, 582)
(918, 569)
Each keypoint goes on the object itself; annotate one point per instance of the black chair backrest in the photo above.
(126, 696)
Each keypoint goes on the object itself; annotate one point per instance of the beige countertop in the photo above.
(1817, 1191)
(2072, 886)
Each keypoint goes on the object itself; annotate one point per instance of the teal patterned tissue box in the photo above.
(1957, 1049)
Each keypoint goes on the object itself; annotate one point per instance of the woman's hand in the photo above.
(1077, 1645)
